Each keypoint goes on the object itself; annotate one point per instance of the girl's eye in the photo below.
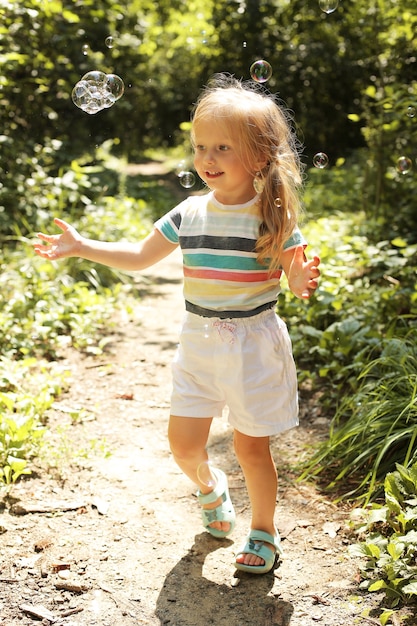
(199, 148)
(223, 148)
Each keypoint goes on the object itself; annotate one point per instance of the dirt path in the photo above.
(123, 543)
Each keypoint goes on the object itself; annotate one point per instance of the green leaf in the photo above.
(378, 585)
(385, 616)
(378, 514)
(395, 550)
(374, 550)
(410, 588)
(398, 242)
(371, 91)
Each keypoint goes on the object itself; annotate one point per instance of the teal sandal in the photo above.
(255, 544)
(222, 513)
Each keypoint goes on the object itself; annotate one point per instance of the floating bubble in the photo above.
(404, 164)
(107, 99)
(320, 160)
(205, 475)
(81, 95)
(95, 77)
(96, 91)
(328, 6)
(187, 179)
(278, 202)
(261, 71)
(85, 49)
(411, 111)
(109, 41)
(115, 84)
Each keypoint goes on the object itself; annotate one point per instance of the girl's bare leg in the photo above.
(260, 473)
(188, 440)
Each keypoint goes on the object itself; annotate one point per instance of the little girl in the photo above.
(234, 350)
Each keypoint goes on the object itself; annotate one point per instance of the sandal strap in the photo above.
(219, 514)
(263, 537)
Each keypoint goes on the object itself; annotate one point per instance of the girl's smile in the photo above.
(213, 174)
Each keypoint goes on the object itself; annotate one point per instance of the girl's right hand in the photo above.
(67, 244)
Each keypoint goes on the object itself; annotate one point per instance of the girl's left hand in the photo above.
(302, 274)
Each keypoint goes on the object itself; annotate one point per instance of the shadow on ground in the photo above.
(188, 598)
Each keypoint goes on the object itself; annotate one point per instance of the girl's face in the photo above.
(217, 163)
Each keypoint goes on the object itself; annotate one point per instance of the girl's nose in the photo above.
(209, 156)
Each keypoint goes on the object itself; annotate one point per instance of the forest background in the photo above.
(348, 76)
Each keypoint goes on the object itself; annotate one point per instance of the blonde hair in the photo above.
(264, 135)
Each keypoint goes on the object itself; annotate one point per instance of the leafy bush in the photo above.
(46, 306)
(354, 341)
(388, 533)
(43, 309)
(27, 391)
(367, 291)
(374, 427)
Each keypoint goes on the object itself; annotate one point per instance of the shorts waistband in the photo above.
(198, 321)
(202, 312)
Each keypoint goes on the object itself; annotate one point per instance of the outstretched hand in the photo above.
(302, 274)
(66, 244)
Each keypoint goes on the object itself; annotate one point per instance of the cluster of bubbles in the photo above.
(328, 6)
(261, 71)
(185, 176)
(97, 91)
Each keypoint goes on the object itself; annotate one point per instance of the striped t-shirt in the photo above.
(222, 277)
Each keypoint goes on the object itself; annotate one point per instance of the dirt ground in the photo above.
(111, 534)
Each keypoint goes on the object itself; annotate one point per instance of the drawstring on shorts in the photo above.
(226, 330)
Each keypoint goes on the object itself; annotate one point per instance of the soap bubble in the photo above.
(85, 49)
(115, 84)
(95, 77)
(97, 91)
(278, 202)
(187, 179)
(320, 160)
(261, 71)
(205, 475)
(81, 94)
(411, 111)
(328, 6)
(404, 164)
(109, 41)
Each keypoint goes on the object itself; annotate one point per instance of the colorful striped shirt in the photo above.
(222, 277)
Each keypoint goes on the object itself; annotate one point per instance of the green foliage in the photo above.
(354, 341)
(353, 68)
(341, 326)
(26, 392)
(43, 309)
(374, 427)
(388, 546)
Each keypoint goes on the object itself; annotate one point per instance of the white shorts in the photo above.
(245, 364)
